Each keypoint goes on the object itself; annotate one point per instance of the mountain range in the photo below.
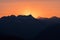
(23, 27)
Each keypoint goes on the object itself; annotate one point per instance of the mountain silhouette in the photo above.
(23, 27)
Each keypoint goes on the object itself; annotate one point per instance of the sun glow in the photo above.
(26, 12)
(29, 11)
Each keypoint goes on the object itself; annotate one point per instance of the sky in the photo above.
(37, 8)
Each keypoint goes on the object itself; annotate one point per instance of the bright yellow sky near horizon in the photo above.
(37, 8)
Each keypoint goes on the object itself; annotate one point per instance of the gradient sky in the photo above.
(37, 8)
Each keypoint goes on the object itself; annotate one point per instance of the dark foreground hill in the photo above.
(28, 28)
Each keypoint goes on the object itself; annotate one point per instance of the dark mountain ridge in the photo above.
(29, 28)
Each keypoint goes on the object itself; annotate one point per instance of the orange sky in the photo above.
(43, 8)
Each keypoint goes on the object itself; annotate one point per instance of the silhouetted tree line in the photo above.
(28, 28)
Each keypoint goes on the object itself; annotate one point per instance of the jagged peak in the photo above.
(25, 16)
